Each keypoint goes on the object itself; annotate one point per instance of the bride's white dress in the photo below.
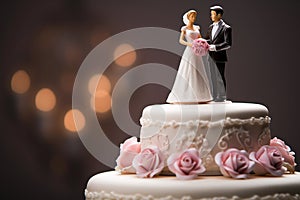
(191, 84)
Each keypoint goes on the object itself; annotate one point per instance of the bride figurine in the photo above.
(191, 85)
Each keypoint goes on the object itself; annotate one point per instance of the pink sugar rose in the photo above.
(268, 159)
(287, 154)
(279, 143)
(128, 150)
(234, 163)
(148, 162)
(186, 165)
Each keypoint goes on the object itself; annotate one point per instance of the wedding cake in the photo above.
(201, 146)
(184, 149)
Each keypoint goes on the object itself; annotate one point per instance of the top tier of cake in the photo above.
(210, 128)
(207, 112)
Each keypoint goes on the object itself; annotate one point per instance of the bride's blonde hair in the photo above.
(187, 15)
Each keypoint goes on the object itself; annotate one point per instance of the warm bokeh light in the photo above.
(102, 84)
(45, 100)
(101, 101)
(127, 59)
(20, 82)
(74, 120)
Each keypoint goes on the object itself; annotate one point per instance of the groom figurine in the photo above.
(219, 39)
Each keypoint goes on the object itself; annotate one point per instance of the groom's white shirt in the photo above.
(213, 33)
(214, 29)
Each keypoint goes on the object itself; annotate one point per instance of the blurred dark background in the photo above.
(43, 44)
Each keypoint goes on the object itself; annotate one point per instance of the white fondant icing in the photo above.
(113, 196)
(210, 128)
(111, 185)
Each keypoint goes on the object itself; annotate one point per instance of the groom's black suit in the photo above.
(222, 41)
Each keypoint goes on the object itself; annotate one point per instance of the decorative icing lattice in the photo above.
(185, 140)
(159, 140)
(233, 130)
(240, 134)
(264, 137)
(209, 160)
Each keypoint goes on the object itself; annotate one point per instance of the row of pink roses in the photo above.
(269, 159)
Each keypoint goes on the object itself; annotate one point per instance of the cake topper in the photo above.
(220, 39)
(192, 84)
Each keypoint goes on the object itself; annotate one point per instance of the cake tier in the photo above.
(112, 185)
(210, 128)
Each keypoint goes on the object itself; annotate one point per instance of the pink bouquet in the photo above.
(200, 47)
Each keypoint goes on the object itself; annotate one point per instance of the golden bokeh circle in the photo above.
(127, 59)
(101, 101)
(20, 82)
(45, 100)
(71, 124)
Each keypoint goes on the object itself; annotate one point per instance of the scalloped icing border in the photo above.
(203, 123)
(113, 196)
